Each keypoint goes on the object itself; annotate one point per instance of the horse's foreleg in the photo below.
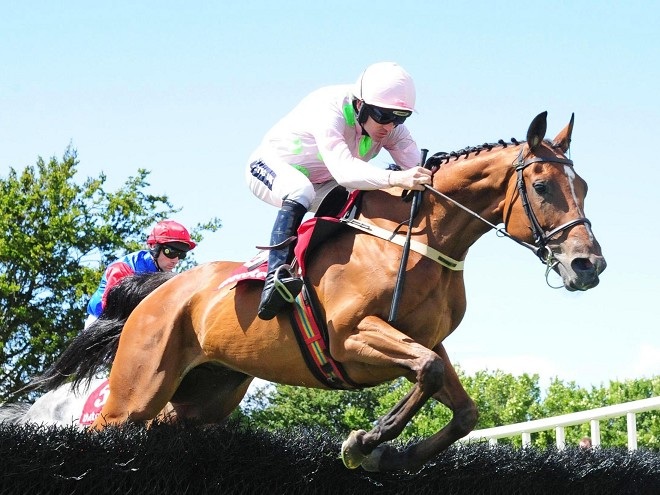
(465, 415)
(464, 410)
(379, 344)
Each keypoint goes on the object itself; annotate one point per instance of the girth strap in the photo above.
(312, 335)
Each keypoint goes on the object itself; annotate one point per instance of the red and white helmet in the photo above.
(386, 85)
(169, 231)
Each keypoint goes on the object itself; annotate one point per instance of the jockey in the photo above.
(168, 242)
(328, 139)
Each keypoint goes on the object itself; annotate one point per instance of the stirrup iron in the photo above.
(281, 287)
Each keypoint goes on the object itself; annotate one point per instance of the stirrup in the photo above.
(279, 294)
(280, 285)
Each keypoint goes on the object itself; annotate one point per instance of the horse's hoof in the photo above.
(350, 452)
(372, 461)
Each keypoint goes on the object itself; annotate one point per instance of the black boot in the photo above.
(281, 287)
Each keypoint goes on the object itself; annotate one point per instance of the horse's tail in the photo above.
(13, 412)
(94, 349)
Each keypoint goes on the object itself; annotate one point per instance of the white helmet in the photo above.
(386, 85)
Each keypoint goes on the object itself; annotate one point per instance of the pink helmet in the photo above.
(167, 231)
(386, 85)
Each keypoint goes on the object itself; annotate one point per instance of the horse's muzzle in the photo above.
(581, 272)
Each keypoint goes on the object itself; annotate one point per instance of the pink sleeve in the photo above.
(346, 169)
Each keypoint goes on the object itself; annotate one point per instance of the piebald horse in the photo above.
(190, 349)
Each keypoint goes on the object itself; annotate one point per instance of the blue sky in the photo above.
(186, 90)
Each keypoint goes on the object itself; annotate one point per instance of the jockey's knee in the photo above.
(303, 194)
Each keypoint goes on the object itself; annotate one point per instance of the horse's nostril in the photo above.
(582, 265)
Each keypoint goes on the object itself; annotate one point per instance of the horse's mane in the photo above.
(441, 157)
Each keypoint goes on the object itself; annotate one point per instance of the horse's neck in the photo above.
(478, 182)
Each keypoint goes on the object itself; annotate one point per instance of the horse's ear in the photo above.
(563, 139)
(536, 131)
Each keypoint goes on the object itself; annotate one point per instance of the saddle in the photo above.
(311, 235)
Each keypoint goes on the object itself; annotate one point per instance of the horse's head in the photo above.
(545, 206)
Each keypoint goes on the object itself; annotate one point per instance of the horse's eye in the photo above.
(540, 187)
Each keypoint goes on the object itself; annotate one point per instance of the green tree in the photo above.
(501, 398)
(58, 237)
(277, 406)
(614, 431)
(567, 397)
(564, 398)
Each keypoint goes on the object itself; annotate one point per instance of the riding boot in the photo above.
(281, 287)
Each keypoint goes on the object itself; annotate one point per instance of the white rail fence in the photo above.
(592, 416)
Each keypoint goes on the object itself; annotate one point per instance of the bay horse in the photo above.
(191, 348)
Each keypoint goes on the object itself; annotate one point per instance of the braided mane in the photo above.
(441, 157)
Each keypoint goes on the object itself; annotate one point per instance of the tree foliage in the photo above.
(58, 237)
(568, 397)
(501, 398)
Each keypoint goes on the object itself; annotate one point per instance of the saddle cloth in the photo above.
(94, 403)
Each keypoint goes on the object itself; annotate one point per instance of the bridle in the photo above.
(541, 237)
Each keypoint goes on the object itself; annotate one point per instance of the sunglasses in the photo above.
(386, 116)
(172, 253)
